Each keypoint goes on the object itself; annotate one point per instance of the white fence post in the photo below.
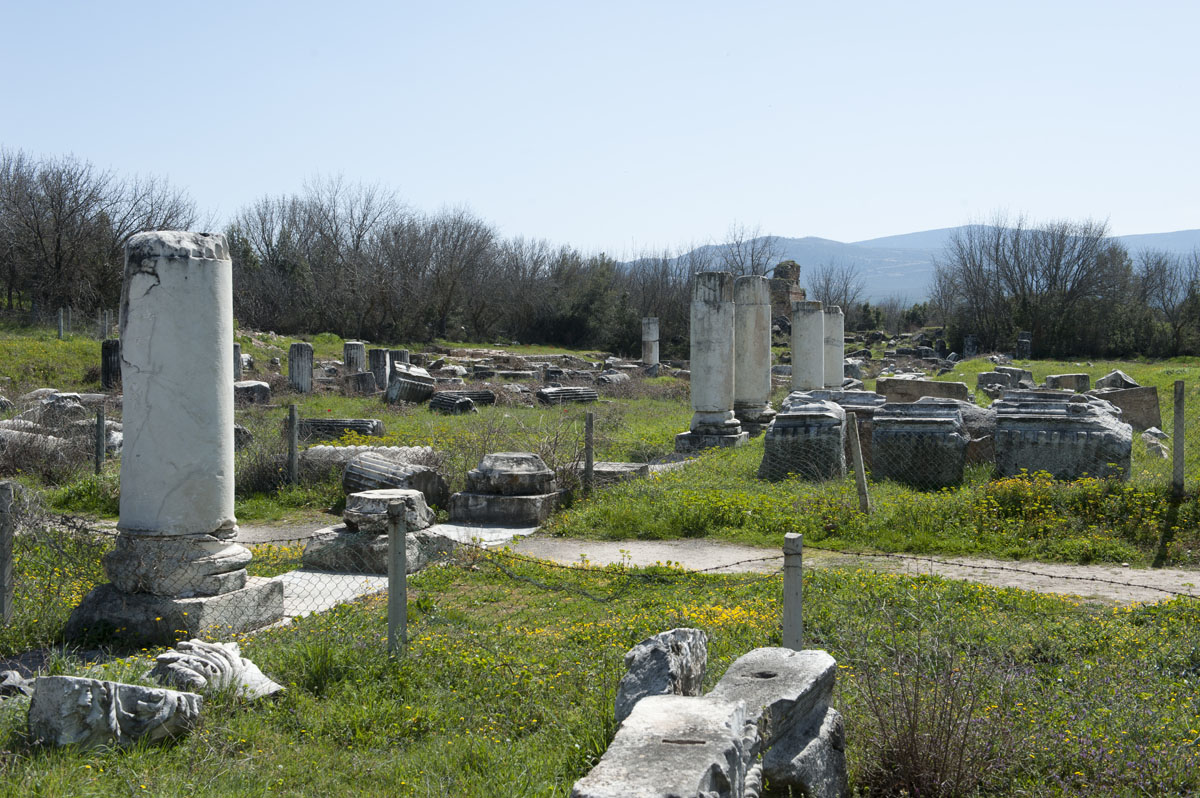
(793, 591)
(397, 580)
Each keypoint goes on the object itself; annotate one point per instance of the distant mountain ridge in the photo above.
(902, 265)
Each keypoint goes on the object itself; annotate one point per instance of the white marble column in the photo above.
(712, 364)
(354, 356)
(177, 477)
(650, 341)
(835, 347)
(808, 346)
(752, 352)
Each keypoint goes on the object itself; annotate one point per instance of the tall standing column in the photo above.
(712, 364)
(300, 366)
(808, 346)
(835, 347)
(177, 526)
(752, 353)
(650, 341)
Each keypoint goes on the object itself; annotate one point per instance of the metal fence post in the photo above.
(397, 580)
(293, 433)
(101, 438)
(1177, 442)
(793, 591)
(7, 523)
(860, 473)
(589, 451)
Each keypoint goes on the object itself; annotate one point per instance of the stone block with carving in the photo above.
(923, 444)
(899, 389)
(66, 710)
(669, 663)
(1139, 406)
(806, 439)
(1067, 435)
(211, 667)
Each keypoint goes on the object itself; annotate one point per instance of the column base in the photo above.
(144, 619)
(754, 419)
(687, 442)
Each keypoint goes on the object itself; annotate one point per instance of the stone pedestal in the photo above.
(177, 527)
(110, 363)
(1067, 435)
(300, 367)
(1024, 345)
(379, 361)
(808, 346)
(807, 439)
(923, 444)
(712, 364)
(752, 353)
(650, 341)
(511, 488)
(354, 356)
(835, 346)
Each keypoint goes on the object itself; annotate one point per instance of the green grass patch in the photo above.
(507, 688)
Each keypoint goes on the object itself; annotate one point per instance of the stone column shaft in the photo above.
(808, 346)
(650, 341)
(176, 516)
(300, 366)
(835, 347)
(712, 354)
(752, 351)
(354, 356)
(380, 364)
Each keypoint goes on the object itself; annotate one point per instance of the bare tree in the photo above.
(1170, 286)
(747, 251)
(837, 283)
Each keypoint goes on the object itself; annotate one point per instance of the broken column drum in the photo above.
(512, 488)
(177, 526)
(650, 341)
(354, 356)
(237, 361)
(808, 346)
(835, 347)
(300, 367)
(752, 353)
(712, 365)
(807, 439)
(110, 363)
(922, 444)
(379, 362)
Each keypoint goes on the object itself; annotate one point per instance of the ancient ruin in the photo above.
(175, 565)
(752, 354)
(650, 341)
(807, 439)
(507, 488)
(300, 367)
(835, 346)
(1067, 435)
(922, 444)
(712, 366)
(808, 346)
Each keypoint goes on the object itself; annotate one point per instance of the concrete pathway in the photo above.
(1105, 583)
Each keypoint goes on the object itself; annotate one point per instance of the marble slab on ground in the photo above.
(306, 591)
(486, 535)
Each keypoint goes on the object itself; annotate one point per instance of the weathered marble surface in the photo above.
(198, 666)
(66, 710)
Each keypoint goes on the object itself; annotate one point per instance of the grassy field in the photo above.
(508, 682)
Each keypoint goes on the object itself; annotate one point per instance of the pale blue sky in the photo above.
(622, 126)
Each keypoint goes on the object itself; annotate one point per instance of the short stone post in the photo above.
(808, 346)
(970, 347)
(1024, 345)
(300, 367)
(712, 356)
(110, 363)
(835, 347)
(101, 438)
(752, 358)
(354, 356)
(68, 319)
(8, 522)
(397, 579)
(176, 565)
(293, 433)
(60, 324)
(589, 452)
(1177, 441)
(380, 363)
(237, 361)
(793, 591)
(650, 341)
